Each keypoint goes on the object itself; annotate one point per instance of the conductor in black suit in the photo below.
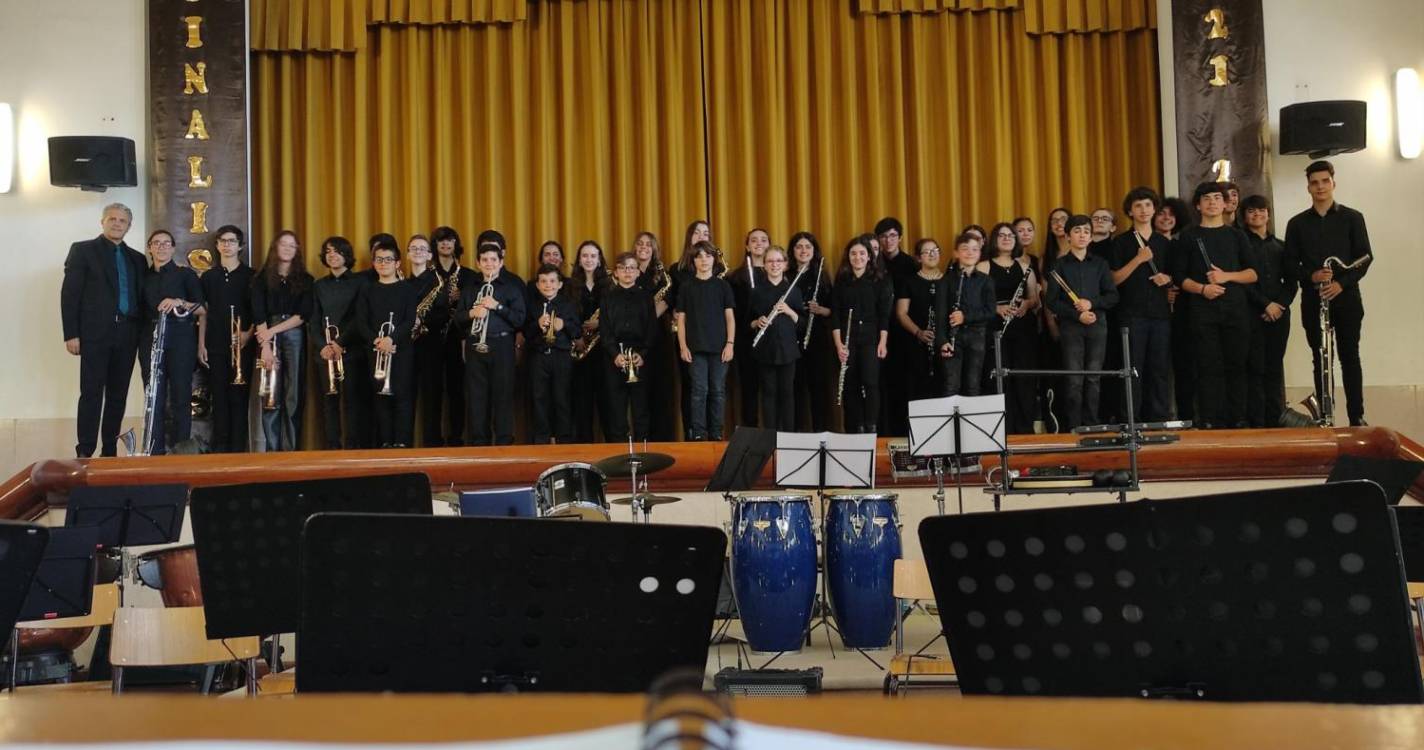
(100, 305)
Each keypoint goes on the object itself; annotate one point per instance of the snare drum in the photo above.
(773, 569)
(173, 571)
(862, 544)
(573, 489)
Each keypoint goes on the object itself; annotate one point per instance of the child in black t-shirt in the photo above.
(706, 337)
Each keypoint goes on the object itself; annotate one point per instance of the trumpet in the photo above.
(845, 366)
(629, 366)
(479, 329)
(592, 342)
(267, 378)
(235, 344)
(549, 332)
(335, 368)
(383, 359)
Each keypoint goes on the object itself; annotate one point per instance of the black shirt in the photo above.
(268, 303)
(705, 302)
(508, 292)
(226, 293)
(810, 290)
(437, 316)
(334, 300)
(1006, 281)
(171, 280)
(778, 345)
(1311, 238)
(627, 317)
(1274, 282)
(1090, 279)
(381, 303)
(744, 280)
(976, 301)
(458, 278)
(560, 307)
(1228, 249)
(870, 299)
(900, 267)
(1140, 298)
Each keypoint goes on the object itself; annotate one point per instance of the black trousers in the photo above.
(352, 400)
(748, 378)
(963, 371)
(549, 373)
(1184, 361)
(395, 414)
(1151, 343)
(429, 384)
(1221, 340)
(861, 397)
(1347, 316)
(621, 397)
(662, 387)
(1020, 351)
(902, 353)
(1112, 395)
(1083, 348)
(814, 374)
(230, 402)
(588, 397)
(105, 370)
(924, 375)
(778, 396)
(452, 396)
(1273, 371)
(489, 378)
(173, 408)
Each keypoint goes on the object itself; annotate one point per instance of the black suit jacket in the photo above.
(89, 296)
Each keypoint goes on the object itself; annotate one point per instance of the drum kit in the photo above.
(578, 490)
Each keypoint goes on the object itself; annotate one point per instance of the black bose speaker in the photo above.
(1323, 128)
(92, 162)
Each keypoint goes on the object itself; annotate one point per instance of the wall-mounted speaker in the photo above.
(92, 162)
(1323, 128)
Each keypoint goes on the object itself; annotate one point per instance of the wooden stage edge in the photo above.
(1044, 724)
(1217, 455)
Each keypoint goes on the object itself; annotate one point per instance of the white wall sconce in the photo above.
(1409, 108)
(7, 146)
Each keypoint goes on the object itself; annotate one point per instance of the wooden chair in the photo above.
(174, 636)
(911, 586)
(69, 633)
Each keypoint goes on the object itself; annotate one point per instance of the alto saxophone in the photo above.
(235, 345)
(845, 364)
(335, 368)
(422, 310)
(662, 293)
(592, 342)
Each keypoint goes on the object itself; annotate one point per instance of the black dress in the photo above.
(1020, 349)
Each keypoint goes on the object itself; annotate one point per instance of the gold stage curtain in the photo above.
(1087, 16)
(447, 11)
(930, 6)
(340, 25)
(940, 120)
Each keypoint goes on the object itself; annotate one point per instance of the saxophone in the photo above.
(845, 366)
(423, 309)
(662, 293)
(579, 354)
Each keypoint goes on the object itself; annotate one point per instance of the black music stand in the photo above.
(248, 541)
(1393, 475)
(129, 516)
(937, 430)
(22, 546)
(63, 585)
(743, 460)
(448, 604)
(1290, 594)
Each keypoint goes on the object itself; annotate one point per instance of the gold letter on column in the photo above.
(196, 128)
(195, 78)
(1218, 75)
(1217, 18)
(195, 39)
(195, 173)
(200, 218)
(1222, 168)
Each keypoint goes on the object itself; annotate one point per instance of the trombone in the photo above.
(383, 359)
(335, 368)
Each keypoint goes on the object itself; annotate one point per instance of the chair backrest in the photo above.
(170, 636)
(101, 612)
(912, 580)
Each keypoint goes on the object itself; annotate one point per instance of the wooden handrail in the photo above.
(1218, 455)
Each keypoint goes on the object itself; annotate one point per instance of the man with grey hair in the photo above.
(100, 308)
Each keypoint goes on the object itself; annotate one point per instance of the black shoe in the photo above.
(1359, 422)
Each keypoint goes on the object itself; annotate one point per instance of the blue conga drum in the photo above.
(862, 544)
(773, 569)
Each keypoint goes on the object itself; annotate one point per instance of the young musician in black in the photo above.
(1328, 229)
(707, 334)
(225, 288)
(862, 303)
(552, 323)
(963, 310)
(586, 286)
(281, 302)
(1269, 300)
(1171, 219)
(174, 291)
(385, 316)
(628, 322)
(334, 299)
(1016, 299)
(744, 280)
(1141, 269)
(916, 297)
(901, 349)
(773, 307)
(816, 370)
(494, 304)
(551, 253)
(656, 278)
(684, 270)
(455, 278)
(1080, 290)
(1214, 265)
(432, 318)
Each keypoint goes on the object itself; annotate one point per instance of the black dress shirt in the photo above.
(778, 345)
(1090, 279)
(269, 303)
(627, 317)
(170, 281)
(1312, 237)
(1274, 282)
(334, 300)
(1139, 297)
(1229, 250)
(560, 307)
(871, 300)
(508, 292)
(227, 292)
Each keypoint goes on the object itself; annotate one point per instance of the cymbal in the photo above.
(621, 465)
(648, 500)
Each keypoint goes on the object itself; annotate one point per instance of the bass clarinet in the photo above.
(1326, 400)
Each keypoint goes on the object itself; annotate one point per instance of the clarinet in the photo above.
(840, 383)
(811, 321)
(958, 300)
(1015, 304)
